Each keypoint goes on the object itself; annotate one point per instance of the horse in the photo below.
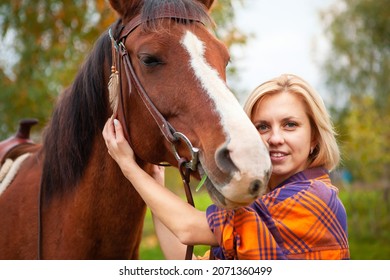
(167, 76)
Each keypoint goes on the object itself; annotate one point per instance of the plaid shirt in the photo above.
(302, 218)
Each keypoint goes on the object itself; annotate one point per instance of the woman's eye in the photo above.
(149, 60)
(262, 127)
(291, 124)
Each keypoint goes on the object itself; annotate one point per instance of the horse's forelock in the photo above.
(153, 9)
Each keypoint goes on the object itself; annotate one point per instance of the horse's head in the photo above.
(181, 67)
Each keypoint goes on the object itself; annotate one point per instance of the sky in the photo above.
(289, 38)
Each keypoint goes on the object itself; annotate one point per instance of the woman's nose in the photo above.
(276, 137)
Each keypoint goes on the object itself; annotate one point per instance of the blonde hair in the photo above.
(326, 152)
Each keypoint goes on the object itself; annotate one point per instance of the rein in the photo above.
(185, 166)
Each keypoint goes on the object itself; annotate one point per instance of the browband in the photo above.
(165, 13)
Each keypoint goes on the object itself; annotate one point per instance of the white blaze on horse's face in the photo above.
(244, 155)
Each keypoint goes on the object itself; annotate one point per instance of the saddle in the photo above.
(22, 137)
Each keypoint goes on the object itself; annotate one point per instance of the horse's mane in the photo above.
(79, 116)
(82, 109)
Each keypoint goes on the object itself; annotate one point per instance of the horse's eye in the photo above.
(149, 60)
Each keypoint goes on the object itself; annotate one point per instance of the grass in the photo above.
(368, 224)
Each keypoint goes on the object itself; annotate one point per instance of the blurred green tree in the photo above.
(44, 42)
(357, 71)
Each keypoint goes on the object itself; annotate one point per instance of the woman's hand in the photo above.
(118, 147)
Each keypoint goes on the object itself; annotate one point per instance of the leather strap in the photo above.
(129, 27)
(163, 124)
(166, 12)
(185, 176)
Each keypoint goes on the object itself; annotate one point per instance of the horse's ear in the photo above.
(117, 6)
(207, 3)
(126, 8)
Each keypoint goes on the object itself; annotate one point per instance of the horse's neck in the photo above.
(104, 208)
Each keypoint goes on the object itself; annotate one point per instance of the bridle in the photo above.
(173, 137)
(122, 59)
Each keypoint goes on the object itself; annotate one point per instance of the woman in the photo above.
(300, 217)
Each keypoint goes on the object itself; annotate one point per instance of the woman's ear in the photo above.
(314, 141)
(313, 145)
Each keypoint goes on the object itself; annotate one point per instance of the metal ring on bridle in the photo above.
(192, 164)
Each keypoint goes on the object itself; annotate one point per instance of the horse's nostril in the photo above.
(255, 187)
(224, 161)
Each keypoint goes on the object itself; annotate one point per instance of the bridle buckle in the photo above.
(193, 163)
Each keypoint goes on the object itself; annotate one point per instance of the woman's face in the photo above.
(284, 126)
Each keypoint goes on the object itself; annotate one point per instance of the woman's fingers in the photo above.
(117, 145)
(118, 130)
(113, 131)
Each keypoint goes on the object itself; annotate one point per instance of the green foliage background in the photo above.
(357, 72)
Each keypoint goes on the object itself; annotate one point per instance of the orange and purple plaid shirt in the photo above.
(302, 218)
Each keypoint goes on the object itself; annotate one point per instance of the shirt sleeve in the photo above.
(242, 234)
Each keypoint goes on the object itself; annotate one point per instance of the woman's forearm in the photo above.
(170, 245)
